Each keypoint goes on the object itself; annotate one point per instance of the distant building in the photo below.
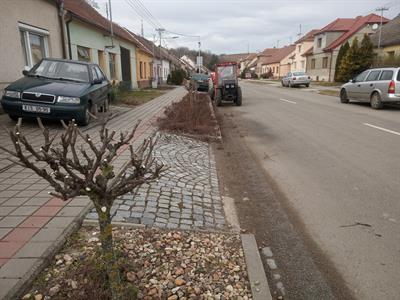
(321, 58)
(390, 39)
(298, 61)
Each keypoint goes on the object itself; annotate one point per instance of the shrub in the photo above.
(176, 77)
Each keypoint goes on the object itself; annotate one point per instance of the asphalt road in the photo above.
(339, 166)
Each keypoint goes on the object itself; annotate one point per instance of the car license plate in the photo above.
(36, 108)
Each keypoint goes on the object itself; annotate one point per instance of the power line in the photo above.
(139, 12)
(148, 13)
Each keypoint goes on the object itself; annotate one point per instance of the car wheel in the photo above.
(343, 96)
(282, 83)
(307, 85)
(376, 101)
(239, 97)
(106, 105)
(218, 97)
(86, 118)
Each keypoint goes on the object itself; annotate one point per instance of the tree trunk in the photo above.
(108, 255)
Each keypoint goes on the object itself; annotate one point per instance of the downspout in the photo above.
(69, 38)
(330, 67)
(61, 14)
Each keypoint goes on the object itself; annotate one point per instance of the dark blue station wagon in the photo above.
(58, 89)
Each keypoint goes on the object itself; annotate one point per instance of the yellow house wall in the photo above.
(145, 59)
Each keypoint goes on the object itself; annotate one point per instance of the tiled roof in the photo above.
(340, 24)
(277, 54)
(84, 12)
(356, 25)
(309, 37)
(390, 33)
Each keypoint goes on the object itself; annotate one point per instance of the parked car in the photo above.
(375, 86)
(58, 89)
(201, 82)
(293, 79)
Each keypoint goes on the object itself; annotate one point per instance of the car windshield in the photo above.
(226, 72)
(61, 70)
(298, 73)
(200, 77)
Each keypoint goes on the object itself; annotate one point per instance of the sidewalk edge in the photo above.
(24, 283)
(258, 280)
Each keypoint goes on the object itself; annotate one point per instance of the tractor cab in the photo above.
(226, 84)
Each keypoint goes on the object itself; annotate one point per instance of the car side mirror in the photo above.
(97, 81)
(25, 72)
(352, 80)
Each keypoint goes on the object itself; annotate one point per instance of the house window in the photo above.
(302, 64)
(83, 53)
(299, 48)
(319, 42)
(390, 54)
(34, 42)
(325, 63)
(141, 70)
(277, 69)
(294, 65)
(145, 71)
(112, 65)
(313, 63)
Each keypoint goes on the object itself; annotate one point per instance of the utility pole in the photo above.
(142, 31)
(199, 55)
(299, 34)
(160, 31)
(248, 48)
(381, 9)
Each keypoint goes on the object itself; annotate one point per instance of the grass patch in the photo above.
(327, 83)
(137, 97)
(329, 93)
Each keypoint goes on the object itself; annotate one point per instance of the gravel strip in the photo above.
(161, 264)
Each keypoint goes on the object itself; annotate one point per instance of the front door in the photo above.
(126, 68)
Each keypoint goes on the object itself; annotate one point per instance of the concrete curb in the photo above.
(25, 282)
(258, 280)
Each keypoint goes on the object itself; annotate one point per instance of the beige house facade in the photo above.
(321, 59)
(30, 36)
(298, 60)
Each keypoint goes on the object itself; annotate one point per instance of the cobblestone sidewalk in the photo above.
(187, 194)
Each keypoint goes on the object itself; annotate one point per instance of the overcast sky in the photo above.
(231, 26)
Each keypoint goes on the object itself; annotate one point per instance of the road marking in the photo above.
(381, 128)
(288, 101)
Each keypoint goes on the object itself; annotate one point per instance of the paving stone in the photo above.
(11, 221)
(147, 221)
(6, 210)
(60, 222)
(6, 284)
(17, 267)
(47, 235)
(33, 249)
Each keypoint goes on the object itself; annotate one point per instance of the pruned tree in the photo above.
(76, 165)
(342, 53)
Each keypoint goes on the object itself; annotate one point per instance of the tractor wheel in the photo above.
(239, 97)
(218, 97)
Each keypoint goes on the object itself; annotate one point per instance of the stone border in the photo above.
(25, 282)
(255, 270)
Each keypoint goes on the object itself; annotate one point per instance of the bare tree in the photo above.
(78, 166)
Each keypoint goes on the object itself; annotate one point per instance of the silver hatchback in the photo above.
(293, 79)
(375, 86)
